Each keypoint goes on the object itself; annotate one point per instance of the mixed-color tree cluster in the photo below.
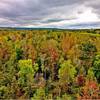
(49, 64)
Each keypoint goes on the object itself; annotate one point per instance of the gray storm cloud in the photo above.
(42, 12)
(95, 5)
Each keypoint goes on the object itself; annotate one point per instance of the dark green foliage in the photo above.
(19, 53)
(87, 53)
(96, 66)
(88, 47)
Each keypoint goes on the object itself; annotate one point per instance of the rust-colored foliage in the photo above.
(67, 43)
(90, 91)
(80, 80)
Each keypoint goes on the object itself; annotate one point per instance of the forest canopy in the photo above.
(49, 64)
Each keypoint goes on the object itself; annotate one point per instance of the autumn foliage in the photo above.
(49, 64)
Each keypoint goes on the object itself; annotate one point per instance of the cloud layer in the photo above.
(50, 13)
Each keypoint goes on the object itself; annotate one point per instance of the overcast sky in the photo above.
(50, 13)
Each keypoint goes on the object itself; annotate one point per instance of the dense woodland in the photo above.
(49, 64)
